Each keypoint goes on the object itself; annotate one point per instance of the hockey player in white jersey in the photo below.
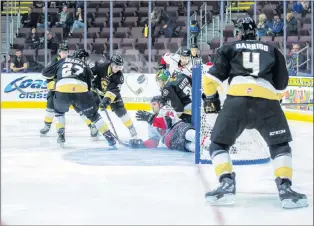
(178, 63)
(165, 125)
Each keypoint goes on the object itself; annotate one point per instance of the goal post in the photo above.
(249, 148)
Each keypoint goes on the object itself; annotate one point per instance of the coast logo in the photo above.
(28, 88)
(136, 83)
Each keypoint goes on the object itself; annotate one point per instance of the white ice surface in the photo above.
(87, 184)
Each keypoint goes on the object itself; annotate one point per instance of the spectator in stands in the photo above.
(19, 62)
(4, 64)
(33, 39)
(41, 19)
(79, 20)
(294, 59)
(79, 4)
(306, 7)
(261, 26)
(292, 25)
(64, 18)
(276, 28)
(297, 7)
(52, 42)
(29, 19)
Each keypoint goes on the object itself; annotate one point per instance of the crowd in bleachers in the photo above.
(66, 23)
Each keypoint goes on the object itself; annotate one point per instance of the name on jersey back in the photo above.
(252, 46)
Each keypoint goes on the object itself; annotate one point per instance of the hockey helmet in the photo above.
(81, 54)
(159, 99)
(63, 47)
(162, 75)
(246, 28)
(117, 60)
(185, 52)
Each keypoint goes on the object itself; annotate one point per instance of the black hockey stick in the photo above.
(111, 124)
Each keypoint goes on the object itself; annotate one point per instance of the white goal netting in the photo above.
(250, 148)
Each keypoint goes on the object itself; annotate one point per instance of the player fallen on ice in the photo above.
(107, 82)
(177, 90)
(73, 85)
(50, 113)
(165, 125)
(257, 76)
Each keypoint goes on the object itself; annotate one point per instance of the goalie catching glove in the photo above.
(211, 103)
(145, 116)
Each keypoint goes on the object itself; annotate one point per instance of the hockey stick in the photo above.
(111, 124)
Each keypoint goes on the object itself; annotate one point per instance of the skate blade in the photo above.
(95, 138)
(43, 134)
(113, 147)
(289, 204)
(227, 199)
(61, 144)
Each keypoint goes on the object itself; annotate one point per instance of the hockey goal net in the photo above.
(249, 148)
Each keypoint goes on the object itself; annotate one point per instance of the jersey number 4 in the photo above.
(68, 69)
(251, 64)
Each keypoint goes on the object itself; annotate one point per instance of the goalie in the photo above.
(165, 125)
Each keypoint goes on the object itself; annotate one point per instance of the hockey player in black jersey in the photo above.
(108, 78)
(177, 90)
(73, 84)
(257, 76)
(50, 108)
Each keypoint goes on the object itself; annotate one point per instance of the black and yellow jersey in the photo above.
(71, 75)
(253, 68)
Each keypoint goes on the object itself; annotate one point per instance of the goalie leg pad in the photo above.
(175, 138)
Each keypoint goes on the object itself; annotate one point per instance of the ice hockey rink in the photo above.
(88, 184)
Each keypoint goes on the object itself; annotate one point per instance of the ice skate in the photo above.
(61, 137)
(44, 131)
(225, 193)
(133, 132)
(289, 198)
(94, 132)
(110, 138)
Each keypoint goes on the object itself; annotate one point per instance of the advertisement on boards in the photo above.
(15, 87)
(23, 87)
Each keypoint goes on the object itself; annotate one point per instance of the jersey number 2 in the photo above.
(68, 71)
(254, 64)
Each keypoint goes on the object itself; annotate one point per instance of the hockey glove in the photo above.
(211, 103)
(145, 116)
(105, 102)
(137, 143)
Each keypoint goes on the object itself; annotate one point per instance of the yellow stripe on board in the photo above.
(9, 104)
(143, 106)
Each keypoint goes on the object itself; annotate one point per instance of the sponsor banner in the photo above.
(299, 95)
(23, 87)
(32, 87)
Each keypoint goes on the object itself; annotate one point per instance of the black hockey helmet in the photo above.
(246, 28)
(194, 46)
(185, 52)
(63, 47)
(117, 60)
(159, 99)
(81, 54)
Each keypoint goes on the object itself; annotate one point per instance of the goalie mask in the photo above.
(157, 102)
(162, 77)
